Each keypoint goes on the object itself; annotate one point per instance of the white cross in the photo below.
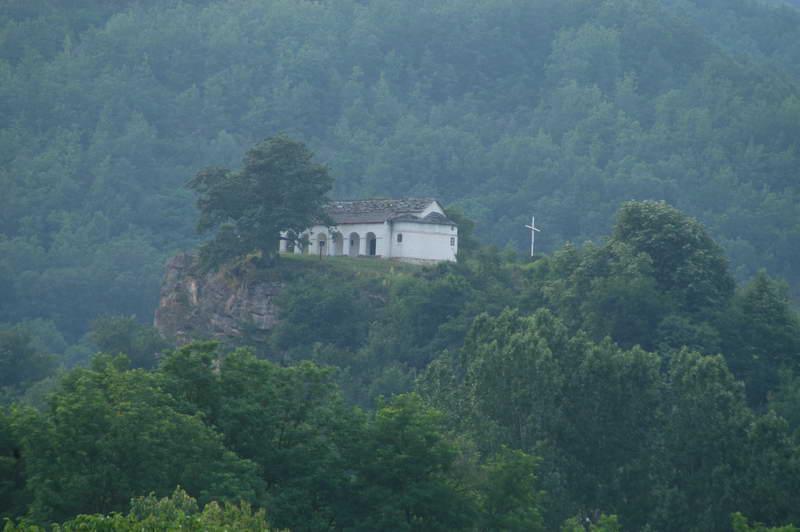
(533, 229)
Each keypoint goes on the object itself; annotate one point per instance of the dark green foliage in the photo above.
(523, 382)
(770, 472)
(379, 326)
(504, 108)
(740, 524)
(124, 335)
(179, 511)
(324, 309)
(325, 465)
(562, 108)
(686, 263)
(785, 398)
(676, 451)
(292, 423)
(404, 481)
(703, 436)
(627, 307)
(112, 434)
(21, 362)
(188, 374)
(761, 335)
(644, 435)
(509, 493)
(419, 307)
(278, 189)
(620, 430)
(654, 283)
(14, 497)
(624, 437)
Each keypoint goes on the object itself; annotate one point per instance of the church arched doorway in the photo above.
(338, 244)
(372, 245)
(355, 242)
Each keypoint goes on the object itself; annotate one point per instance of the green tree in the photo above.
(784, 399)
(189, 376)
(111, 434)
(607, 432)
(403, 480)
(703, 444)
(769, 476)
(278, 189)
(508, 493)
(761, 335)
(290, 421)
(513, 381)
(13, 493)
(123, 335)
(420, 309)
(740, 523)
(21, 363)
(320, 309)
(589, 54)
(179, 511)
(623, 302)
(687, 264)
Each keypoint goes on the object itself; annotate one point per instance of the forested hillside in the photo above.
(645, 380)
(502, 107)
(631, 385)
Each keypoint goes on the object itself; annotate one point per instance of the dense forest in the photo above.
(631, 385)
(640, 373)
(502, 107)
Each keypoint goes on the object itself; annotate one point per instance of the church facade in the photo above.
(410, 229)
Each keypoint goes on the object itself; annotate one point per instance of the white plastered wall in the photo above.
(425, 241)
(421, 241)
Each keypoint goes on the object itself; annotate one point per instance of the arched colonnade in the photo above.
(335, 244)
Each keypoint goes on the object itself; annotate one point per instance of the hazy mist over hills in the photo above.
(504, 108)
(641, 372)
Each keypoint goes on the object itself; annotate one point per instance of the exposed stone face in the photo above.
(213, 306)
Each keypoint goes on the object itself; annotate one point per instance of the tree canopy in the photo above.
(575, 391)
(278, 189)
(500, 108)
(624, 384)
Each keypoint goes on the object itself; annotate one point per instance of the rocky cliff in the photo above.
(218, 305)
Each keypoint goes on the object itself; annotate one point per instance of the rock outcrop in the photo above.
(218, 305)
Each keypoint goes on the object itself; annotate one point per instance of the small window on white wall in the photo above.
(399, 238)
(452, 241)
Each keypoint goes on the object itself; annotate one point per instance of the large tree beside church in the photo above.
(279, 188)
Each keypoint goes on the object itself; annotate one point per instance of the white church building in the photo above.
(410, 229)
